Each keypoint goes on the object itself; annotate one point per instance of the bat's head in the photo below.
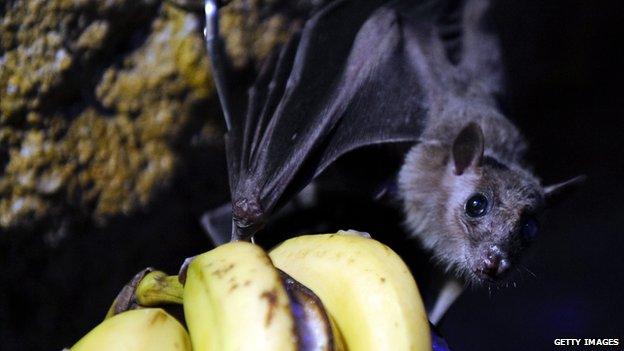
(482, 213)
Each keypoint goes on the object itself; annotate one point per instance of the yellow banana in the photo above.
(365, 286)
(234, 299)
(150, 329)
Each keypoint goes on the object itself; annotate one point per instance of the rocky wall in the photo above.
(101, 100)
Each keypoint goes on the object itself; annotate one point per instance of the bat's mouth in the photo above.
(484, 276)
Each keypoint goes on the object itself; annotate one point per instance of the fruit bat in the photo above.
(374, 72)
(359, 73)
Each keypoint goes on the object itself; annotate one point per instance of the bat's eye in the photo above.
(529, 229)
(476, 205)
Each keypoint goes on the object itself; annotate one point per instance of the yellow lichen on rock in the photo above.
(116, 170)
(113, 153)
(251, 37)
(99, 98)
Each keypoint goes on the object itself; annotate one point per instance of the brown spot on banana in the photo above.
(220, 272)
(271, 297)
(159, 317)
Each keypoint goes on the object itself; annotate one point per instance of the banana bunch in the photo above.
(325, 292)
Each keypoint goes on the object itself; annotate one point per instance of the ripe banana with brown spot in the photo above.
(365, 286)
(234, 299)
(148, 329)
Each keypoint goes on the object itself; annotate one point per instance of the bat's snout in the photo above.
(494, 264)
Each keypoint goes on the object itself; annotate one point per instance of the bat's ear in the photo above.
(468, 148)
(555, 192)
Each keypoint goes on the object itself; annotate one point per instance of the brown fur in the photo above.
(434, 196)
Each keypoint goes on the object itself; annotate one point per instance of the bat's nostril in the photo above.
(503, 266)
(491, 263)
(493, 258)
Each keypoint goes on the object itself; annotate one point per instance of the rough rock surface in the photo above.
(99, 100)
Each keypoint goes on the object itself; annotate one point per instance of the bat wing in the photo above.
(360, 73)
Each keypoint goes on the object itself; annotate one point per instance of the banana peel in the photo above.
(234, 299)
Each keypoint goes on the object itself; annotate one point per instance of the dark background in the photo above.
(564, 65)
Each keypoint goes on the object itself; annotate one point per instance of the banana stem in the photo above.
(147, 288)
(158, 288)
